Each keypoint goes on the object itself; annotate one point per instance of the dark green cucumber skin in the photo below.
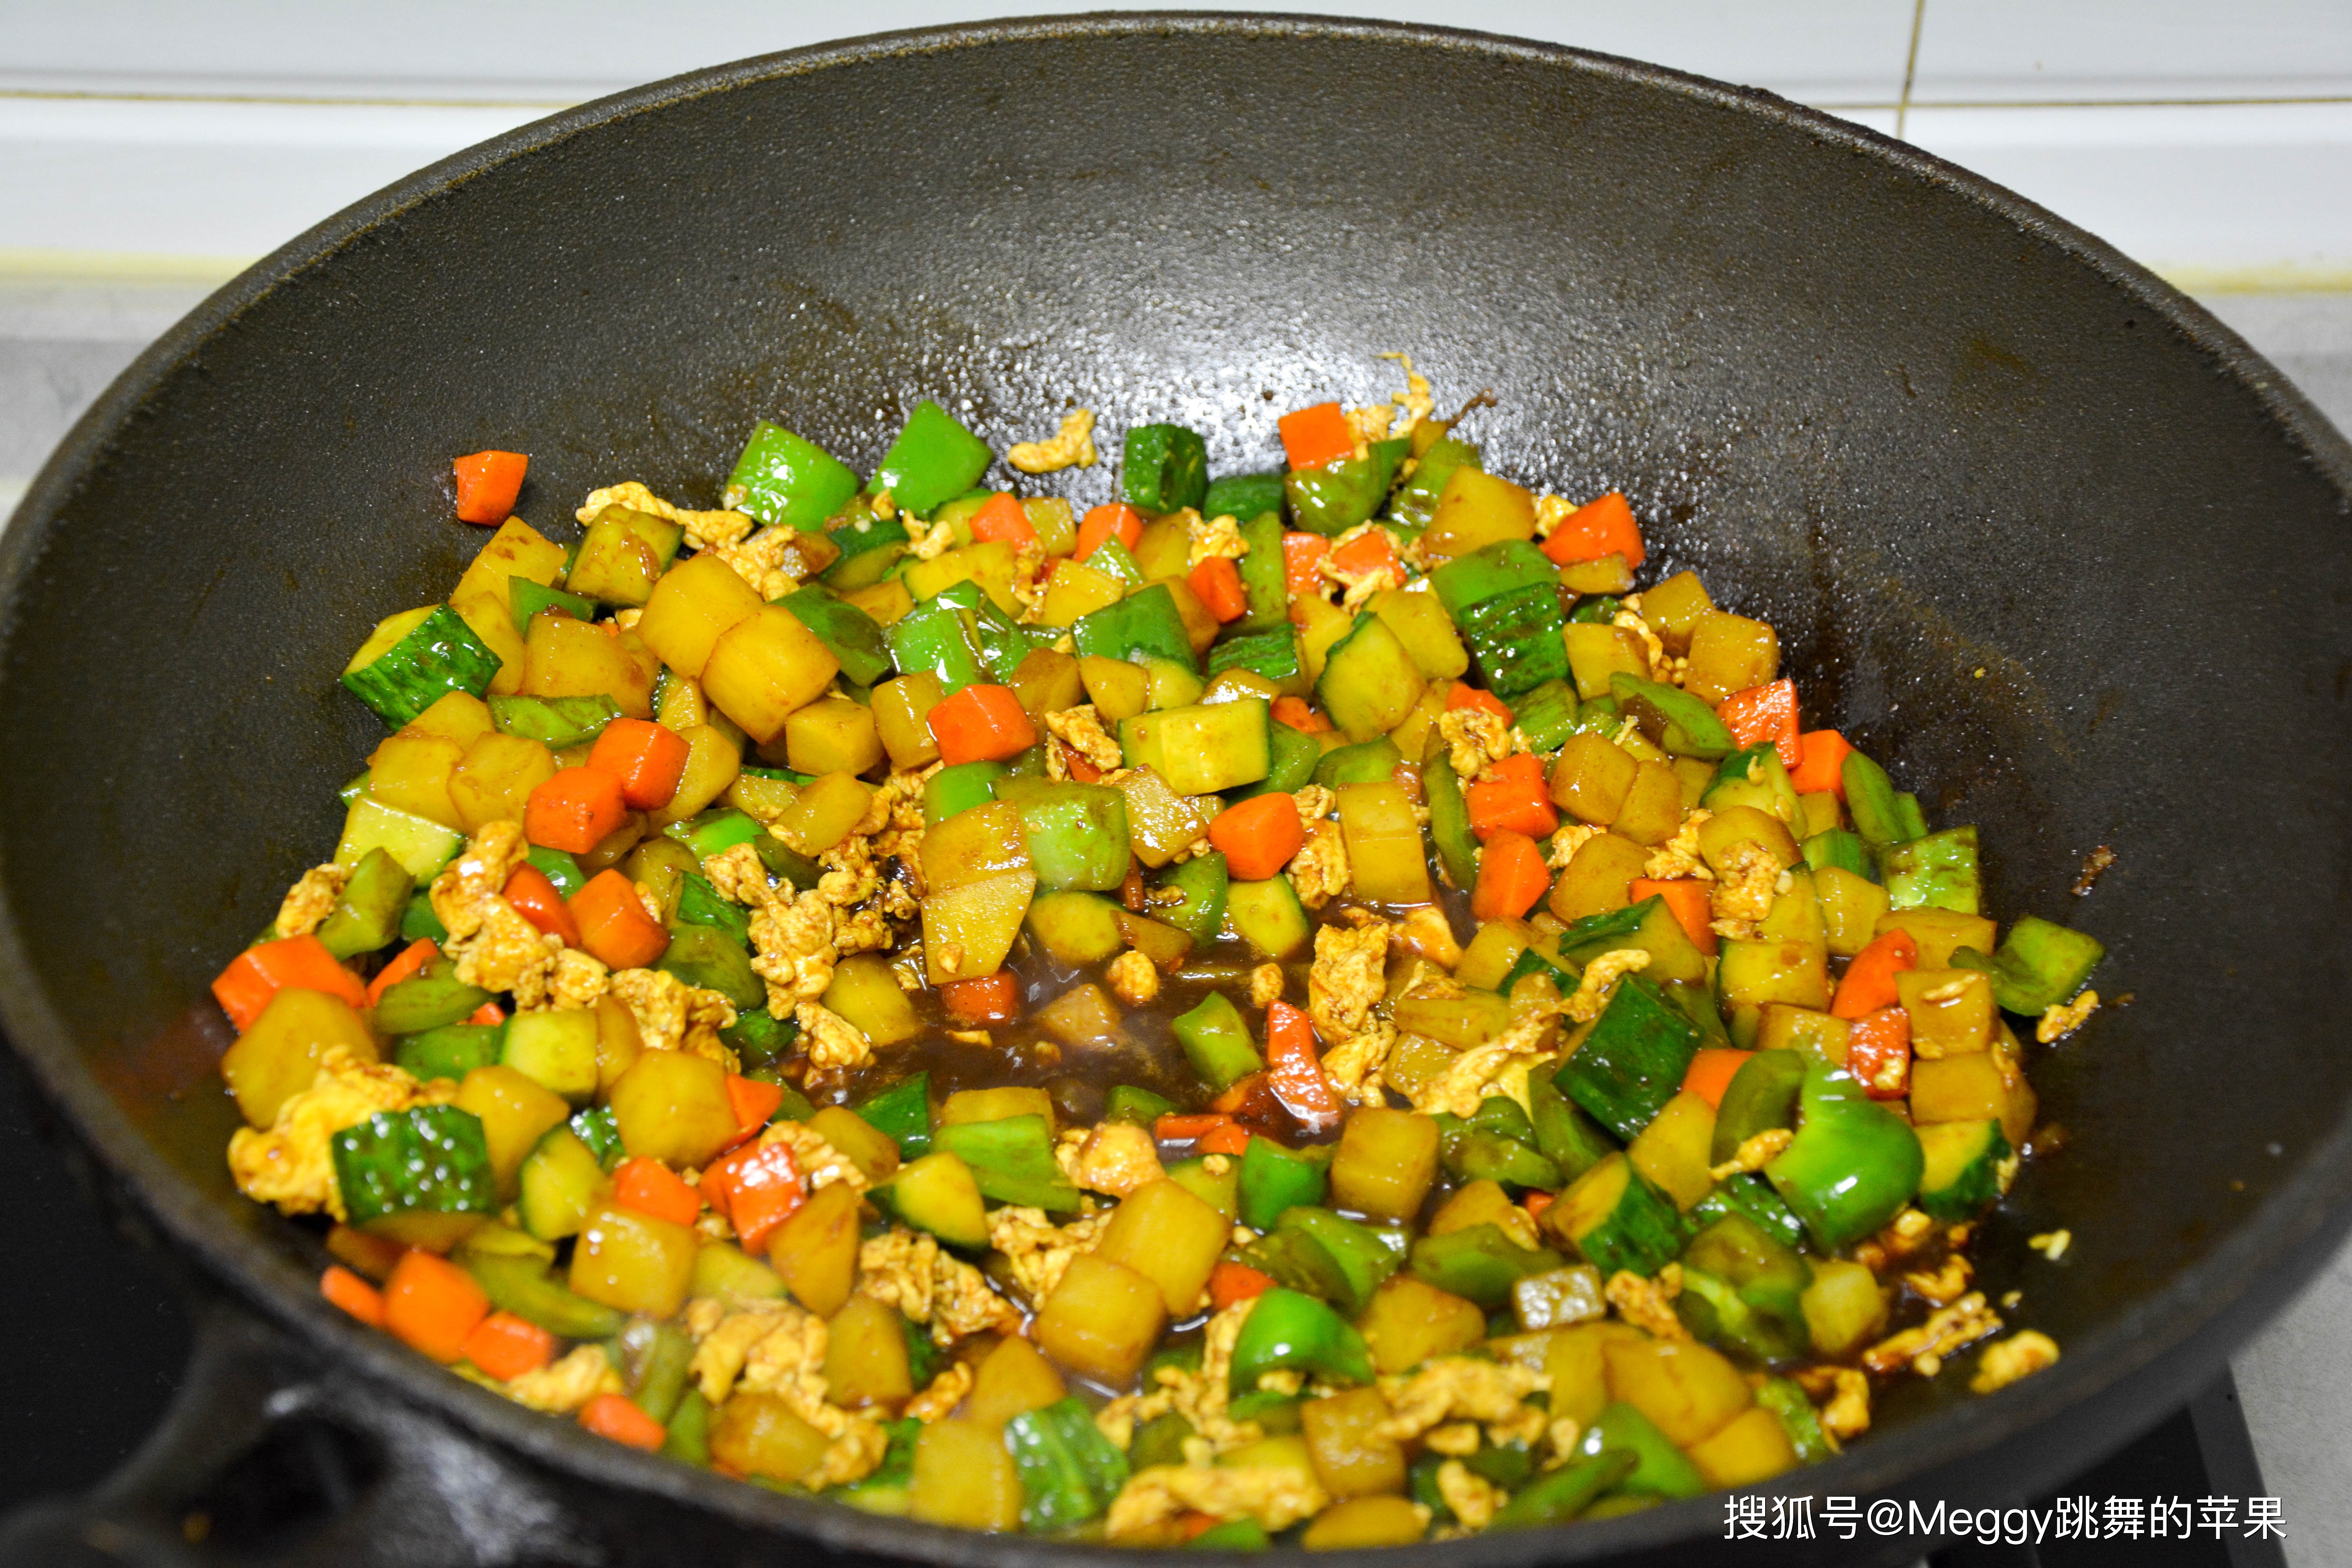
(1641, 1236)
(1634, 1060)
(429, 1159)
(439, 654)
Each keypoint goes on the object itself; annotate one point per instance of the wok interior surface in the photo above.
(2026, 535)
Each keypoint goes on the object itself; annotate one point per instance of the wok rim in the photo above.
(2274, 1249)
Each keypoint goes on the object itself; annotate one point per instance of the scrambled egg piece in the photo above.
(2050, 1028)
(1073, 447)
(789, 1362)
(1113, 1158)
(1751, 877)
(1132, 978)
(1424, 930)
(1460, 1388)
(1265, 984)
(1500, 1066)
(792, 940)
(1314, 802)
(1847, 1413)
(566, 1385)
(1630, 620)
(311, 899)
(576, 980)
(463, 893)
(933, 541)
(1678, 856)
(2006, 1360)
(723, 1347)
(1552, 510)
(830, 1041)
(1361, 583)
(1924, 1348)
(850, 875)
(820, 1164)
(1474, 738)
(1416, 402)
(1369, 423)
(1946, 1285)
(507, 952)
(908, 1270)
(1753, 1155)
(1349, 974)
(1277, 1497)
(760, 560)
(291, 1165)
(1201, 1397)
(937, 1401)
(1039, 1250)
(1600, 978)
(1355, 1065)
(674, 1017)
(1474, 1499)
(1081, 730)
(1570, 837)
(1214, 537)
(704, 530)
(1648, 1304)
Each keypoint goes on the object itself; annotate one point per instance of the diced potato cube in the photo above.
(1689, 1392)
(758, 1435)
(493, 781)
(1385, 1162)
(1599, 877)
(411, 773)
(1579, 1379)
(866, 1355)
(765, 666)
(564, 658)
(871, 1150)
(964, 1477)
(633, 1261)
(1388, 862)
(515, 1113)
(832, 735)
(672, 1106)
(1596, 652)
(693, 603)
(1729, 654)
(1168, 1237)
(1014, 1378)
(1102, 1320)
(1671, 1151)
(1952, 1010)
(1754, 1447)
(815, 1251)
(277, 1057)
(1592, 777)
(902, 713)
(1673, 609)
(1409, 1320)
(966, 1105)
(968, 931)
(1350, 1457)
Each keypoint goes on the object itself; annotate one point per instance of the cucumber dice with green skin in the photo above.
(1963, 1172)
(869, 545)
(1617, 1220)
(1660, 1469)
(1375, 760)
(1201, 883)
(1272, 654)
(415, 658)
(1798, 1417)
(522, 1284)
(367, 912)
(561, 1180)
(1069, 1471)
(1752, 1199)
(939, 1193)
(1841, 847)
(903, 1112)
(1881, 817)
(1505, 600)
(2039, 965)
(556, 1049)
(761, 1039)
(556, 722)
(1011, 1159)
(1292, 757)
(1362, 1255)
(601, 1133)
(451, 1051)
(417, 1176)
(1633, 1060)
(698, 904)
(1564, 1134)
(1672, 718)
(1415, 501)
(704, 956)
(1202, 748)
(1752, 775)
(1269, 917)
(1077, 832)
(1449, 813)
(419, 845)
(1479, 1264)
(1546, 716)
(1145, 621)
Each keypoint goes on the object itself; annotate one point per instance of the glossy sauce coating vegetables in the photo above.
(1284, 1006)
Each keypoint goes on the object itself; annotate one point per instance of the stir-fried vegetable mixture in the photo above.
(1297, 1004)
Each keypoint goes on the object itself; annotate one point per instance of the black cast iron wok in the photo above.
(2035, 530)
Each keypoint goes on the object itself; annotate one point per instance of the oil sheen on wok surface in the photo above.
(1324, 1002)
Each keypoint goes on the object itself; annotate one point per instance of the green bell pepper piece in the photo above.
(1761, 1096)
(1217, 1042)
(1936, 870)
(870, 547)
(1286, 1328)
(1479, 1264)
(1660, 1469)
(1477, 1154)
(1564, 1133)
(1449, 813)
(597, 1128)
(938, 640)
(1672, 718)
(786, 478)
(526, 598)
(1881, 817)
(556, 722)
(2039, 965)
(856, 641)
(1011, 1161)
(1375, 760)
(1558, 1496)
(559, 869)
(1165, 469)
(654, 1359)
(1595, 610)
(698, 904)
(368, 911)
(1144, 623)
(426, 1002)
(1492, 572)
(1798, 1419)
(1546, 716)
(1242, 497)
(1275, 1413)
(958, 787)
(1296, 1261)
(1203, 881)
(710, 960)
(1752, 1199)
(1115, 561)
(1242, 1534)
(1415, 501)
(522, 1285)
(884, 1491)
(1160, 1440)
(761, 1039)
(1335, 497)
(1127, 1105)
(1853, 1164)
(1274, 1178)
(903, 1112)
(934, 459)
(1292, 756)
(1070, 1471)
(686, 1438)
(1363, 1255)
(715, 832)
(1003, 641)
(1265, 580)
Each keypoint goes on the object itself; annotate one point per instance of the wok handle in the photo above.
(270, 1455)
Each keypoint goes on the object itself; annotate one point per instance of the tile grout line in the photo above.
(1910, 65)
